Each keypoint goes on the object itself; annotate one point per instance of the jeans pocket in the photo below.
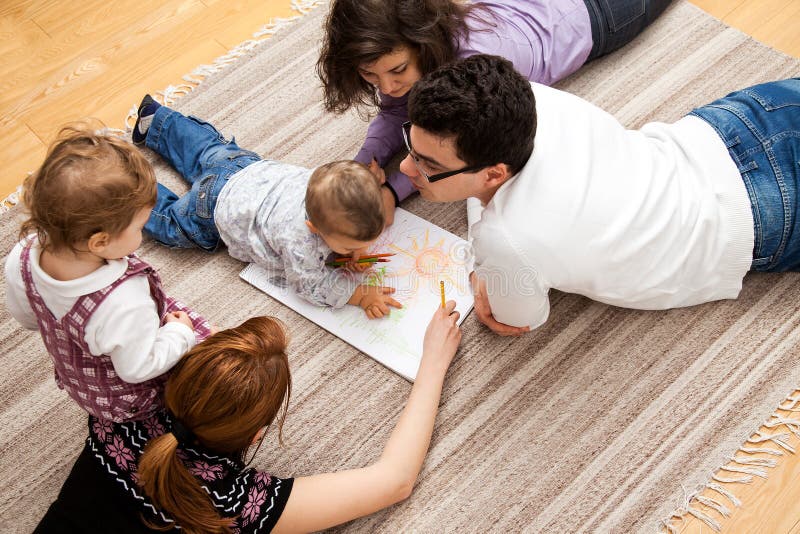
(205, 199)
(620, 13)
(776, 95)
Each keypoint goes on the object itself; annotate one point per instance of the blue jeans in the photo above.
(761, 128)
(616, 22)
(206, 160)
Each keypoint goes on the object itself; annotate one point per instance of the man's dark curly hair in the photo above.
(486, 105)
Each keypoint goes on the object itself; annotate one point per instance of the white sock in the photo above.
(144, 123)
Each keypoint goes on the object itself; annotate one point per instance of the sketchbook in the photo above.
(424, 256)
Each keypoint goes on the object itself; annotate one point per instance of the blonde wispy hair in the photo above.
(345, 191)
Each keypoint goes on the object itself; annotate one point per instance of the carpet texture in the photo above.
(594, 422)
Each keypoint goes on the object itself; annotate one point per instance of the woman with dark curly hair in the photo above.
(389, 44)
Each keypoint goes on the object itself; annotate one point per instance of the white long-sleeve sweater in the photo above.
(125, 325)
(653, 218)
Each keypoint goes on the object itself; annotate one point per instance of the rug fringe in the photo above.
(11, 200)
(747, 466)
(172, 92)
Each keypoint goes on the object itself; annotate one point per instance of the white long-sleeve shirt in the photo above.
(125, 326)
(650, 219)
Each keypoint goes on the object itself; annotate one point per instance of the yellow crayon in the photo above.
(441, 289)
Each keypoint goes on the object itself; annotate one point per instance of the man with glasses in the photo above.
(655, 218)
(429, 164)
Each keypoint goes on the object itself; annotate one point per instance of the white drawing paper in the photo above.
(424, 256)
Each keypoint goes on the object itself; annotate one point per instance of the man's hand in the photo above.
(484, 311)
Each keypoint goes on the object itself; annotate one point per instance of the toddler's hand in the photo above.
(179, 316)
(375, 301)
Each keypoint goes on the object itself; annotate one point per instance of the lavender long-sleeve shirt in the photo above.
(546, 40)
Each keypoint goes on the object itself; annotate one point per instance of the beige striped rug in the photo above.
(595, 422)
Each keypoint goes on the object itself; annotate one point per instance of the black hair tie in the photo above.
(181, 433)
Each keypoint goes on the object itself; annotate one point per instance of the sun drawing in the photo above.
(426, 264)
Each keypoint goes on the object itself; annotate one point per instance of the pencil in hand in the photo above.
(340, 263)
(441, 289)
(365, 257)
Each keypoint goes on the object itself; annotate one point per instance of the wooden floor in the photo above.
(769, 505)
(61, 61)
(65, 60)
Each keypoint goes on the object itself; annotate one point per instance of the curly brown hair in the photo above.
(361, 31)
(90, 182)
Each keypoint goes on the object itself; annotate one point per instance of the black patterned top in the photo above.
(106, 474)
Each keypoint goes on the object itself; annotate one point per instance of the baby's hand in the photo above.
(375, 300)
(179, 316)
(357, 267)
(353, 264)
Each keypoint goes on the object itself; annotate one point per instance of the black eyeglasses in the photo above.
(415, 159)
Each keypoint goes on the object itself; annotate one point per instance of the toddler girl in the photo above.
(101, 311)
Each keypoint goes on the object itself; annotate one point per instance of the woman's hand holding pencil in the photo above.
(441, 341)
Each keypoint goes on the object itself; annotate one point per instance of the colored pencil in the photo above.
(441, 288)
(338, 263)
(365, 257)
(360, 260)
